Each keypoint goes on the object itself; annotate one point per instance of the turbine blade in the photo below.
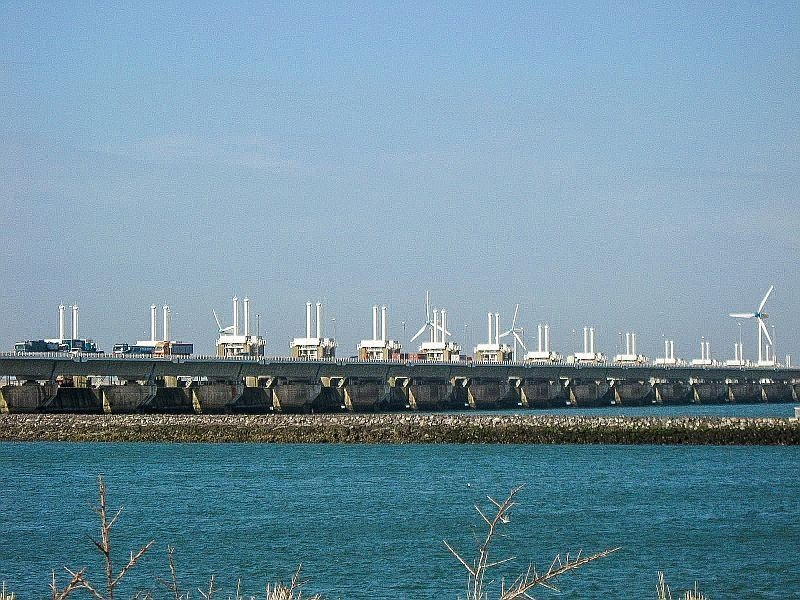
(764, 301)
(514, 320)
(427, 306)
(521, 343)
(420, 332)
(742, 315)
(764, 330)
(507, 333)
(216, 318)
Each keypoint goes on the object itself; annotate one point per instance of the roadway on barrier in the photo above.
(45, 367)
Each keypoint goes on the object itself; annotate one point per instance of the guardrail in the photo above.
(266, 360)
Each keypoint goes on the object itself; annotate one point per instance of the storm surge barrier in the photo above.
(85, 384)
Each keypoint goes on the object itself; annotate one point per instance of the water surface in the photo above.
(368, 521)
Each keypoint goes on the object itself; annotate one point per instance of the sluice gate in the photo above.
(632, 393)
(493, 394)
(589, 394)
(542, 394)
(673, 393)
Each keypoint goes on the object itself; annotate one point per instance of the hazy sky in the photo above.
(626, 166)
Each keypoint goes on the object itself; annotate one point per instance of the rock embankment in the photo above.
(401, 429)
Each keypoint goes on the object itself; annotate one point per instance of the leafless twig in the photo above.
(104, 546)
(207, 595)
(75, 582)
(477, 570)
(4, 594)
(664, 592)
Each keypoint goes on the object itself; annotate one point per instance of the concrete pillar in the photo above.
(246, 316)
(235, 315)
(166, 323)
(61, 331)
(153, 318)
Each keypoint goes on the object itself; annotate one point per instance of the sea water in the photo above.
(369, 521)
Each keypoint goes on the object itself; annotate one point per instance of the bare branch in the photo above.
(115, 518)
(477, 580)
(483, 516)
(76, 582)
(662, 589)
(207, 595)
(132, 562)
(497, 563)
(84, 584)
(461, 560)
(173, 572)
(557, 569)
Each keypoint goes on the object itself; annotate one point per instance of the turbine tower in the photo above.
(438, 328)
(515, 331)
(761, 327)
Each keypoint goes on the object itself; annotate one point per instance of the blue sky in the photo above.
(623, 165)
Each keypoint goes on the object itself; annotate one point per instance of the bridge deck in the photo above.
(45, 367)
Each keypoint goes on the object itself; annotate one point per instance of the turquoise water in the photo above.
(368, 521)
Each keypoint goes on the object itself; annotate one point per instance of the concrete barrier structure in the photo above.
(214, 397)
(254, 400)
(172, 400)
(492, 394)
(301, 398)
(82, 400)
(588, 394)
(543, 394)
(230, 385)
(745, 393)
(672, 393)
(129, 398)
(431, 395)
(778, 392)
(632, 393)
(30, 397)
(373, 396)
(710, 392)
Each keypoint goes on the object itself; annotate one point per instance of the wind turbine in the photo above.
(435, 326)
(760, 316)
(515, 331)
(220, 329)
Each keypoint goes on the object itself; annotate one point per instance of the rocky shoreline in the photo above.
(401, 429)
